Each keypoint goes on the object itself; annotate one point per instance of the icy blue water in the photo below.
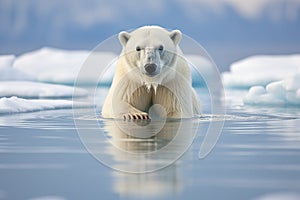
(256, 157)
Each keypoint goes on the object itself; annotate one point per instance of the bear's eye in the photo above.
(161, 48)
(138, 48)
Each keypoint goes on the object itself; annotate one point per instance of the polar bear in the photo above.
(151, 73)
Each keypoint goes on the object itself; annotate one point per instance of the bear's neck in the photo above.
(150, 85)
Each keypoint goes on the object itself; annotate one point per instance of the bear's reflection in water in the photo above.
(141, 136)
(161, 144)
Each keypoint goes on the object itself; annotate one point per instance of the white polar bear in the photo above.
(151, 70)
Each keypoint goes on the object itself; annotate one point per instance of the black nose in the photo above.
(150, 68)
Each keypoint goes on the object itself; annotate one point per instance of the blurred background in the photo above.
(228, 29)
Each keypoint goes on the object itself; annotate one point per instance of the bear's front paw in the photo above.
(136, 116)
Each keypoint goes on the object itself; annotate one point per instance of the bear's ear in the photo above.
(124, 37)
(175, 36)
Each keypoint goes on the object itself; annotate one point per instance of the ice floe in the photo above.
(18, 105)
(260, 70)
(7, 72)
(62, 66)
(26, 89)
(285, 92)
(272, 80)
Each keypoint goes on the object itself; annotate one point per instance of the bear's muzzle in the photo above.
(150, 69)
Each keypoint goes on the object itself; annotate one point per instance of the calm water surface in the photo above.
(256, 157)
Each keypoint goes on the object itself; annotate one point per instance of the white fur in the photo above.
(133, 91)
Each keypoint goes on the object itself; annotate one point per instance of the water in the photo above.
(256, 157)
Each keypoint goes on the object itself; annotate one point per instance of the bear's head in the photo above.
(150, 52)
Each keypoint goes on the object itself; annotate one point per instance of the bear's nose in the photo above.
(150, 68)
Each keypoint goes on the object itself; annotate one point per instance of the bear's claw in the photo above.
(136, 116)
